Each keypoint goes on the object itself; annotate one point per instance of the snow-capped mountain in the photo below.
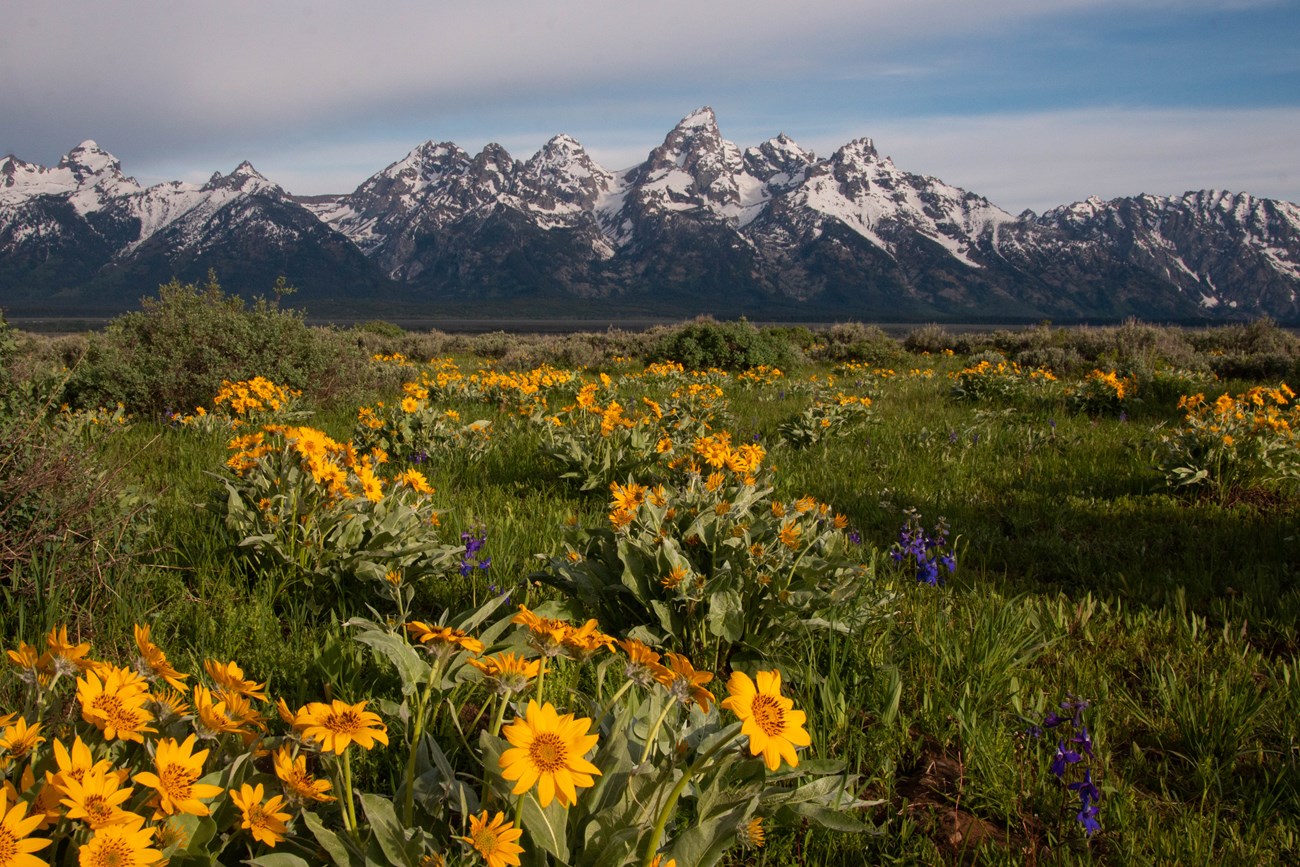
(700, 225)
(83, 223)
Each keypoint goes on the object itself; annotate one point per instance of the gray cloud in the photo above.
(319, 94)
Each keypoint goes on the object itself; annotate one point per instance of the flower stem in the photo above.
(615, 697)
(408, 800)
(654, 730)
(657, 833)
(349, 808)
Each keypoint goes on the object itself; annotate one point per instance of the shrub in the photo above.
(853, 341)
(8, 347)
(65, 522)
(736, 345)
(177, 350)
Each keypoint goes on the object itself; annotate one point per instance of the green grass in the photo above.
(1080, 573)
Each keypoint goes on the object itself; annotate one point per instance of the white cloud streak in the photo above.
(321, 93)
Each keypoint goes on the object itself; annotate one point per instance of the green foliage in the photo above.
(867, 344)
(1236, 445)
(725, 345)
(176, 351)
(8, 349)
(66, 522)
(717, 567)
(306, 508)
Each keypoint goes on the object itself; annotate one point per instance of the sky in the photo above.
(1031, 103)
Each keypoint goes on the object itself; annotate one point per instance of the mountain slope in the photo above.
(701, 225)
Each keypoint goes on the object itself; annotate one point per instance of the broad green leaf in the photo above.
(388, 830)
(331, 842)
(547, 828)
(278, 859)
(413, 670)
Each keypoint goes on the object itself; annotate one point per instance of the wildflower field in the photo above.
(817, 598)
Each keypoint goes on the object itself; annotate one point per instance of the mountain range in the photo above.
(701, 226)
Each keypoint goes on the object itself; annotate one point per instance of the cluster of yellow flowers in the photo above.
(613, 415)
(120, 806)
(397, 359)
(1259, 411)
(256, 395)
(761, 375)
(1111, 381)
(336, 467)
(1006, 368)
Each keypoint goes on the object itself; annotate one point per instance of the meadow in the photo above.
(706, 594)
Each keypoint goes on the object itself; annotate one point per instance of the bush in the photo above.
(65, 522)
(868, 344)
(736, 345)
(175, 352)
(8, 347)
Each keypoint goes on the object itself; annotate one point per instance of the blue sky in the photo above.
(1032, 103)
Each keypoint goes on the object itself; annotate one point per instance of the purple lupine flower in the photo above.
(470, 560)
(1064, 757)
(1083, 740)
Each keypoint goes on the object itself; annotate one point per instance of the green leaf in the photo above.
(834, 820)
(413, 670)
(388, 831)
(332, 843)
(547, 828)
(726, 615)
(278, 859)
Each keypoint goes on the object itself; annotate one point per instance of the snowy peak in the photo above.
(423, 166)
(88, 160)
(88, 174)
(563, 174)
(695, 167)
(244, 179)
(778, 161)
(890, 208)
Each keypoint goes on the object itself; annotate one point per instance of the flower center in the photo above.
(8, 847)
(175, 780)
(343, 723)
(485, 841)
(548, 752)
(114, 853)
(768, 715)
(97, 809)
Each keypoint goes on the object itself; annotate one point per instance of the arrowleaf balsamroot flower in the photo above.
(297, 781)
(178, 770)
(508, 673)
(96, 799)
(264, 820)
(682, 680)
(338, 724)
(495, 839)
(443, 638)
(16, 846)
(547, 751)
(122, 844)
(153, 662)
(774, 727)
(115, 704)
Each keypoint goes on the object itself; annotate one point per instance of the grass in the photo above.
(1080, 573)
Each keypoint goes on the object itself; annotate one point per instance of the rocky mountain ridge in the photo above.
(701, 225)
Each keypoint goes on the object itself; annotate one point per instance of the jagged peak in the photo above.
(563, 142)
(702, 118)
(494, 152)
(243, 178)
(88, 159)
(861, 148)
(433, 154)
